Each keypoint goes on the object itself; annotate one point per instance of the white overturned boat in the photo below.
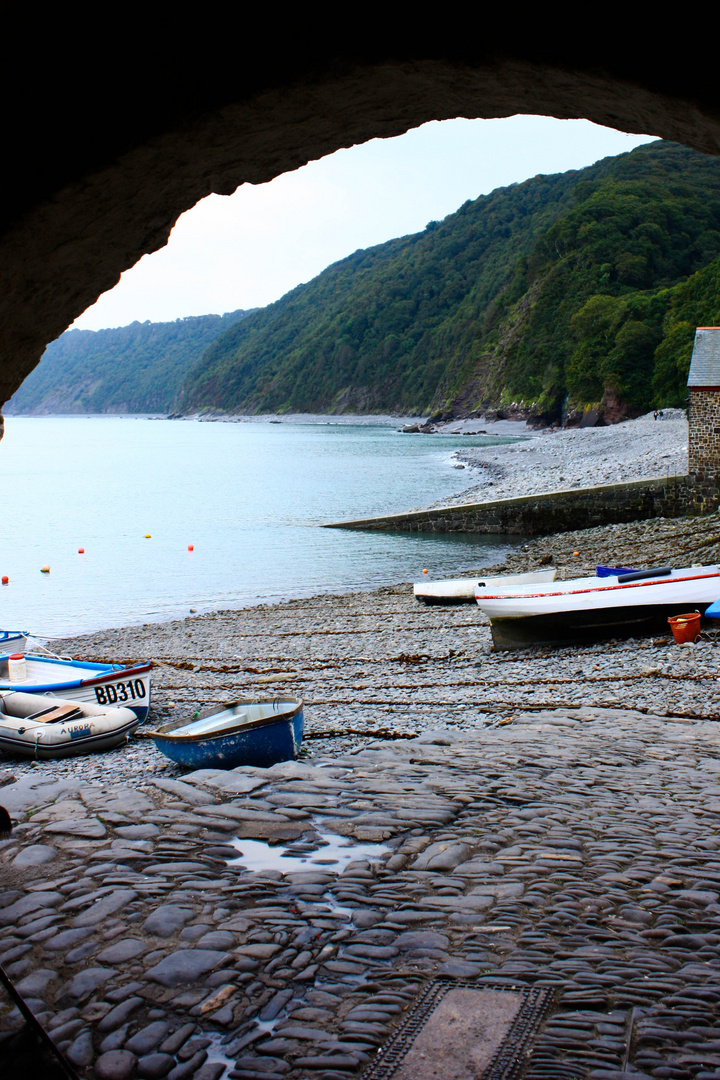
(48, 727)
(591, 608)
(79, 681)
(463, 590)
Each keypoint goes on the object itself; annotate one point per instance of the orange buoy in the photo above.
(576, 552)
(424, 571)
(148, 536)
(81, 551)
(5, 579)
(45, 569)
(191, 547)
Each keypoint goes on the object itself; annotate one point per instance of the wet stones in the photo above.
(154, 1066)
(137, 832)
(187, 793)
(186, 966)
(84, 984)
(167, 920)
(116, 1065)
(29, 905)
(80, 1052)
(442, 856)
(148, 1038)
(419, 941)
(122, 951)
(114, 1018)
(216, 939)
(86, 828)
(574, 851)
(34, 855)
(117, 900)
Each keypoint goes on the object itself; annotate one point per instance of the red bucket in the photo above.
(685, 627)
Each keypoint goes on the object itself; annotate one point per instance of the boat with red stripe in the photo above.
(592, 608)
(79, 680)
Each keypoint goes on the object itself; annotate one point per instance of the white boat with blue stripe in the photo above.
(13, 641)
(79, 680)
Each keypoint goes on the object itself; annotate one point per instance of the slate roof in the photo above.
(705, 363)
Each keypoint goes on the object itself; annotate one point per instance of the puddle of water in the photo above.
(270, 1025)
(336, 909)
(216, 1052)
(332, 851)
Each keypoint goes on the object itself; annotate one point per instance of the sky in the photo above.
(248, 249)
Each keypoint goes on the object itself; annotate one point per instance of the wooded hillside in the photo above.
(563, 293)
(131, 369)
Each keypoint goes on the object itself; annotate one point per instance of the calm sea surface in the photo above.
(248, 496)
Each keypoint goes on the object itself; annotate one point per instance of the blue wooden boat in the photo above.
(249, 731)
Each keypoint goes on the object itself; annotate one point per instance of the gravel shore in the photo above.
(557, 460)
(378, 661)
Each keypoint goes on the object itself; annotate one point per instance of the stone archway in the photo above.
(103, 167)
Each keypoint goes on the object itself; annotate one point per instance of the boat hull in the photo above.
(94, 730)
(585, 609)
(574, 628)
(261, 743)
(90, 684)
(463, 590)
(13, 641)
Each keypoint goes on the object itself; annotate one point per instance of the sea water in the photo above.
(136, 492)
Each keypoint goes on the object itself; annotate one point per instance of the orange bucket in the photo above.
(685, 627)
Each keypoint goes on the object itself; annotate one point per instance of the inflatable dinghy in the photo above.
(43, 727)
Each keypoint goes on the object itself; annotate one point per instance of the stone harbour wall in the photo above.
(704, 430)
(561, 511)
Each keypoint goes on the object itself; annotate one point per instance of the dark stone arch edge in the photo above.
(102, 166)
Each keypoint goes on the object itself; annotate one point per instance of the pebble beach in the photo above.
(557, 460)
(543, 827)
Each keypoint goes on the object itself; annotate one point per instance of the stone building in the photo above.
(704, 406)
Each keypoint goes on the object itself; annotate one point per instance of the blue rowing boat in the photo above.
(249, 731)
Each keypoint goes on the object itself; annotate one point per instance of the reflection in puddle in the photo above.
(216, 1049)
(329, 852)
(336, 909)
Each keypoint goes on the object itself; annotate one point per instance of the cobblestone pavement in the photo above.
(572, 848)
(547, 819)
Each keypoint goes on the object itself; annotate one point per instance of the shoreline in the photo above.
(531, 463)
(315, 419)
(377, 664)
(560, 460)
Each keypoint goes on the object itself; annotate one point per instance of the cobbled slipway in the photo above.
(548, 818)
